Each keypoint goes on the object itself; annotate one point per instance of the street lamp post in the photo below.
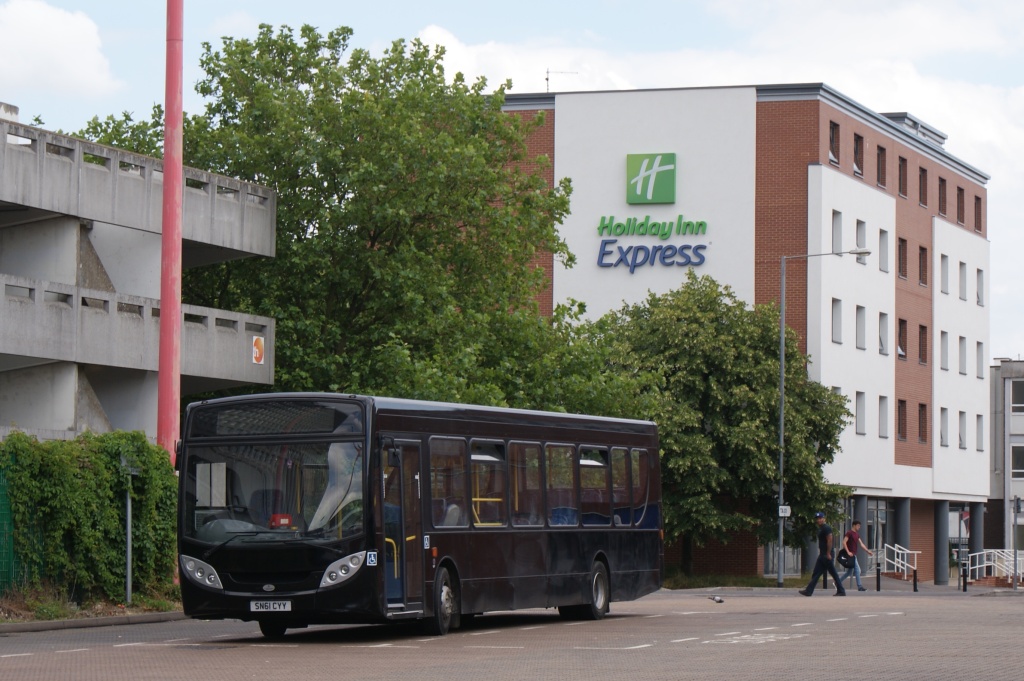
(782, 389)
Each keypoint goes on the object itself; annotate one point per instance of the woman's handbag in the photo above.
(845, 559)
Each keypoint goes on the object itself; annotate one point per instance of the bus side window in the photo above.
(563, 508)
(448, 482)
(527, 502)
(640, 485)
(621, 500)
(596, 505)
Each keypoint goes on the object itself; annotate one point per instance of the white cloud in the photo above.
(44, 49)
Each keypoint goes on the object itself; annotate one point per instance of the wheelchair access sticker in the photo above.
(371, 558)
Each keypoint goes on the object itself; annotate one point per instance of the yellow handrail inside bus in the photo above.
(395, 547)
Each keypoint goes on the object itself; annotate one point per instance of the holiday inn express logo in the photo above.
(651, 178)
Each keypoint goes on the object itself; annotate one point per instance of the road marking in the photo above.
(484, 633)
(530, 628)
(76, 650)
(802, 624)
(692, 612)
(379, 645)
(652, 617)
(838, 619)
(867, 615)
(497, 647)
(17, 655)
(684, 640)
(644, 645)
(573, 624)
(175, 640)
(765, 628)
(728, 633)
(125, 645)
(280, 645)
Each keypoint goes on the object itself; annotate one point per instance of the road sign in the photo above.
(784, 511)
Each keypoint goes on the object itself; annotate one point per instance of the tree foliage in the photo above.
(68, 508)
(716, 364)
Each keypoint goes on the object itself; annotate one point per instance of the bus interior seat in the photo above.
(262, 504)
(453, 516)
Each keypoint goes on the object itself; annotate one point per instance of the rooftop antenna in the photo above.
(547, 78)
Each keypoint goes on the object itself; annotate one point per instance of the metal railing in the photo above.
(900, 560)
(995, 562)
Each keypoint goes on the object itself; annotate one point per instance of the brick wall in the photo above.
(922, 537)
(542, 143)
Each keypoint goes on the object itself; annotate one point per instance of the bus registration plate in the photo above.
(270, 606)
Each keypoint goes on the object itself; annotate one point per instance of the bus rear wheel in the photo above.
(599, 597)
(272, 629)
(446, 605)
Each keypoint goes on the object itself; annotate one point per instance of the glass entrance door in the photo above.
(403, 536)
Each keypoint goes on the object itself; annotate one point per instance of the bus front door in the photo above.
(403, 536)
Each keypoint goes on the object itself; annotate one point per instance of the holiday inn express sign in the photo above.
(650, 179)
(662, 181)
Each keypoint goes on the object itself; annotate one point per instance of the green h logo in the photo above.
(651, 178)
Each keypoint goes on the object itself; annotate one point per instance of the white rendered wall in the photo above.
(956, 470)
(712, 133)
(866, 461)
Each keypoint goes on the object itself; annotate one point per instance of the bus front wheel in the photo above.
(446, 605)
(272, 629)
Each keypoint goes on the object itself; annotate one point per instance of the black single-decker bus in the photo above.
(310, 508)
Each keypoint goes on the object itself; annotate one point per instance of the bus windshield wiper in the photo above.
(305, 541)
(214, 549)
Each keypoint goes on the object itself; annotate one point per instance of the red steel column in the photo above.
(168, 423)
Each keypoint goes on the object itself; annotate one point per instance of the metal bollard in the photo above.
(878, 577)
(963, 573)
(915, 580)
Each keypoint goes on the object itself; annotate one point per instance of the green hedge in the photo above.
(67, 502)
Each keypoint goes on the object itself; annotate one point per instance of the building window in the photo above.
(859, 415)
(883, 250)
(862, 240)
(963, 281)
(963, 430)
(922, 344)
(883, 416)
(944, 273)
(922, 186)
(942, 196)
(980, 352)
(944, 427)
(977, 214)
(963, 356)
(883, 333)
(903, 177)
(861, 328)
(901, 258)
(922, 266)
(1017, 461)
(901, 419)
(837, 320)
(880, 166)
(981, 287)
(944, 351)
(858, 155)
(960, 205)
(922, 422)
(979, 435)
(901, 341)
(837, 232)
(1017, 397)
(833, 142)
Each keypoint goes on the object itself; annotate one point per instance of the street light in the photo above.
(782, 386)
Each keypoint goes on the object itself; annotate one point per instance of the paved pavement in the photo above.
(887, 586)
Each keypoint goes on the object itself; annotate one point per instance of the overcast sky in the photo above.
(957, 65)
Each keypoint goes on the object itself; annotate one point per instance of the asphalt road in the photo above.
(765, 634)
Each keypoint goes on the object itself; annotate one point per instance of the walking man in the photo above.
(824, 562)
(851, 542)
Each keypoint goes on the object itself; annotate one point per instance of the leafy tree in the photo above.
(716, 361)
(408, 211)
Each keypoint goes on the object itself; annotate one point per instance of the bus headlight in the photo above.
(199, 572)
(340, 570)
